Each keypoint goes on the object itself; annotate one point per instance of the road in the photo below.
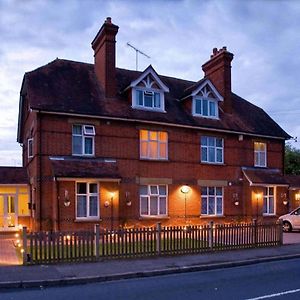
(280, 280)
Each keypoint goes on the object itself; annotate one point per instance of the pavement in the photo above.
(12, 277)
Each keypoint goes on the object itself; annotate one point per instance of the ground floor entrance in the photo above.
(8, 212)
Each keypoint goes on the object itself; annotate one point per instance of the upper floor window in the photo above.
(148, 99)
(260, 154)
(153, 200)
(87, 202)
(269, 203)
(153, 144)
(30, 147)
(211, 201)
(212, 150)
(83, 139)
(205, 107)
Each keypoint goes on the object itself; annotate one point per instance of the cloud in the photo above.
(178, 35)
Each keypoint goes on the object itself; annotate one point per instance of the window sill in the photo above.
(84, 155)
(149, 109)
(261, 167)
(212, 163)
(87, 220)
(155, 159)
(269, 215)
(211, 216)
(154, 218)
(206, 117)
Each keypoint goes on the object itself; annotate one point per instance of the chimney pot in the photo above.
(108, 20)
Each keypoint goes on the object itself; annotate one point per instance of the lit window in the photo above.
(153, 200)
(212, 201)
(30, 148)
(148, 99)
(269, 203)
(212, 149)
(87, 203)
(205, 107)
(260, 154)
(83, 139)
(153, 144)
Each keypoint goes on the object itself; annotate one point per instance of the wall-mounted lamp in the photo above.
(297, 196)
(285, 202)
(67, 201)
(235, 197)
(284, 199)
(127, 198)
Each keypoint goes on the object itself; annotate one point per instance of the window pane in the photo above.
(93, 206)
(81, 206)
(205, 107)
(144, 205)
(265, 210)
(219, 206)
(203, 154)
(93, 188)
(218, 191)
(77, 145)
(219, 142)
(163, 151)
(153, 205)
(153, 149)
(154, 190)
(211, 154)
(81, 188)
(204, 191)
(156, 99)
(198, 106)
(271, 191)
(77, 129)
(162, 190)
(219, 155)
(88, 145)
(211, 205)
(211, 190)
(153, 135)
(211, 141)
(89, 130)
(204, 206)
(262, 159)
(148, 100)
(204, 140)
(163, 136)
(271, 205)
(143, 190)
(144, 149)
(144, 135)
(162, 205)
(256, 159)
(212, 108)
(139, 97)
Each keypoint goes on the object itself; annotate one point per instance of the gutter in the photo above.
(157, 123)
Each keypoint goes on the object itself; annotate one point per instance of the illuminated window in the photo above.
(83, 139)
(212, 201)
(153, 144)
(87, 203)
(212, 149)
(269, 201)
(30, 148)
(153, 200)
(260, 154)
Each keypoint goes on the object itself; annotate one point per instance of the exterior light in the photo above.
(285, 202)
(185, 189)
(67, 201)
(235, 198)
(297, 196)
(127, 198)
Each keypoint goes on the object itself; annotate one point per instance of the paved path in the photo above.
(8, 254)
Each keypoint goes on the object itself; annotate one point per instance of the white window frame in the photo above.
(30, 147)
(259, 153)
(215, 196)
(135, 100)
(84, 133)
(207, 147)
(159, 143)
(266, 197)
(88, 195)
(148, 195)
(209, 116)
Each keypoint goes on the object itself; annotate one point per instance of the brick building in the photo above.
(126, 148)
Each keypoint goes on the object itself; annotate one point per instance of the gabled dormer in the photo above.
(148, 91)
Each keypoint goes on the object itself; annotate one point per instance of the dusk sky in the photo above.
(178, 36)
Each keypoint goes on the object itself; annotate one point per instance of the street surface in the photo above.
(279, 280)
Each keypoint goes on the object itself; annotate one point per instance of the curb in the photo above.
(103, 278)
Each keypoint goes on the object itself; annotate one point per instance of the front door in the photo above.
(8, 215)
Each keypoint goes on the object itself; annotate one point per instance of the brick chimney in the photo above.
(104, 46)
(218, 71)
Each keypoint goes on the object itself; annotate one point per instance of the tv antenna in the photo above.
(137, 52)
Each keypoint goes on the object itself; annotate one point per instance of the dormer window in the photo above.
(148, 91)
(205, 107)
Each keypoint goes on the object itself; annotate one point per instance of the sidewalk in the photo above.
(63, 274)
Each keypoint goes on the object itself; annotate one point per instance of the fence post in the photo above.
(280, 228)
(24, 246)
(255, 232)
(97, 240)
(211, 235)
(158, 238)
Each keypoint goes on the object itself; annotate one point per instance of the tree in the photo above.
(292, 160)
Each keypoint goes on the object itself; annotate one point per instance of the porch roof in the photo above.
(293, 180)
(70, 167)
(13, 175)
(263, 177)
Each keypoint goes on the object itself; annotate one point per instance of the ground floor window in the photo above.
(87, 200)
(153, 200)
(269, 201)
(212, 201)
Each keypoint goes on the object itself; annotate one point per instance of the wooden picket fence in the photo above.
(54, 247)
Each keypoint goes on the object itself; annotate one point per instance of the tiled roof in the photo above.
(257, 176)
(13, 175)
(71, 87)
(70, 167)
(293, 180)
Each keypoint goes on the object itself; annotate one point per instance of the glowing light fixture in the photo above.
(185, 189)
